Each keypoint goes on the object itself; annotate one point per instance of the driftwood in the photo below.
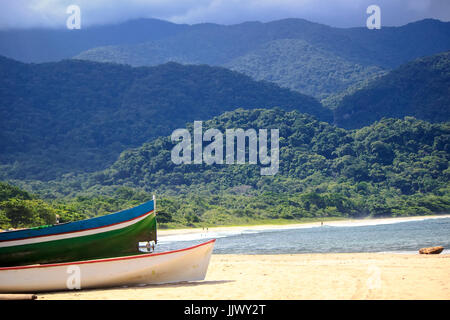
(18, 296)
(431, 250)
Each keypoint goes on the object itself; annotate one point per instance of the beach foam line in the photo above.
(205, 235)
(374, 222)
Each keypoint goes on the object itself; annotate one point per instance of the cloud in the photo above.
(341, 13)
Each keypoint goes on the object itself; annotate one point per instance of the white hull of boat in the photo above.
(189, 264)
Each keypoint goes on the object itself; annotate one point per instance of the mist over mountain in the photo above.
(47, 45)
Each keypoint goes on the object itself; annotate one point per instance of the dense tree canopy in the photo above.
(393, 167)
(420, 88)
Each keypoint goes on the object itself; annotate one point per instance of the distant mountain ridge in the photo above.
(218, 44)
(420, 88)
(274, 51)
(348, 54)
(77, 116)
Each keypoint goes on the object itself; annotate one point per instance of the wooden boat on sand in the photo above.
(189, 264)
(112, 235)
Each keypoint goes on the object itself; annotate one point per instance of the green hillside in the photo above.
(308, 148)
(82, 138)
(420, 88)
(77, 116)
(393, 167)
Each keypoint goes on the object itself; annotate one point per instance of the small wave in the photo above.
(196, 236)
(375, 222)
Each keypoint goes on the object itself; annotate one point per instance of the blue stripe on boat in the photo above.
(81, 225)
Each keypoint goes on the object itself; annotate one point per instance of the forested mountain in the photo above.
(295, 64)
(86, 137)
(409, 155)
(309, 57)
(393, 167)
(420, 88)
(77, 116)
(218, 44)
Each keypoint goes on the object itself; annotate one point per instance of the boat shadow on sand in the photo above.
(139, 287)
(178, 284)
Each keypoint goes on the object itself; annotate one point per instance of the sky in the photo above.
(338, 13)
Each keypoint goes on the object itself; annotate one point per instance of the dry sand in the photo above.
(299, 276)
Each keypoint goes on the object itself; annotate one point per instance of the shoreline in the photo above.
(162, 233)
(298, 276)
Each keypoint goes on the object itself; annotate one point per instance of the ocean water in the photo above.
(367, 236)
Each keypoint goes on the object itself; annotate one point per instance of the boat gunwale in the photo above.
(106, 259)
(74, 231)
(75, 226)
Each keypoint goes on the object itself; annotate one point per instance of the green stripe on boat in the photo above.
(121, 239)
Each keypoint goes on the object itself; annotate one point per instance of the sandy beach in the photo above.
(298, 276)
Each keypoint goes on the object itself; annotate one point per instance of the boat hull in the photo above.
(188, 264)
(107, 236)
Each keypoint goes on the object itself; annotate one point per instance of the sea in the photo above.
(383, 236)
